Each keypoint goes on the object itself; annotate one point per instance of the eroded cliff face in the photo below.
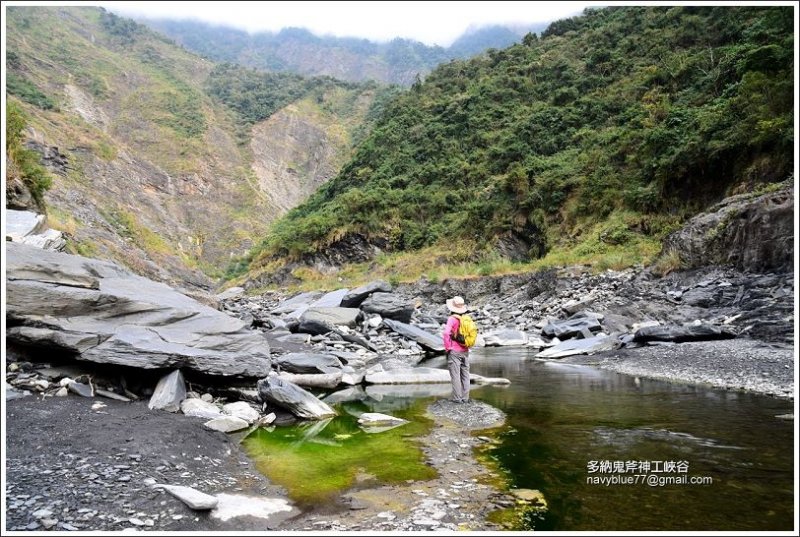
(301, 147)
(135, 200)
(293, 155)
(751, 232)
(148, 169)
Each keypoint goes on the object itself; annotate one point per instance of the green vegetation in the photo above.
(255, 95)
(315, 461)
(25, 90)
(128, 226)
(600, 137)
(24, 163)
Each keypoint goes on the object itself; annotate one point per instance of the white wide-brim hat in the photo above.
(456, 305)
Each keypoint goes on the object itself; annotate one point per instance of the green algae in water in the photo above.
(315, 461)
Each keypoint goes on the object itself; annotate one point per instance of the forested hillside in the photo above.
(596, 139)
(296, 50)
(160, 159)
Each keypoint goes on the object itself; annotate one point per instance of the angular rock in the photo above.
(425, 339)
(571, 327)
(354, 298)
(102, 313)
(13, 393)
(334, 316)
(505, 338)
(200, 409)
(389, 306)
(330, 300)
(702, 297)
(352, 378)
(579, 346)
(680, 334)
(358, 340)
(169, 393)
(193, 498)
(315, 327)
(227, 424)
(307, 362)
(303, 300)
(293, 398)
(111, 395)
(50, 239)
(84, 390)
(324, 380)
(230, 293)
(241, 410)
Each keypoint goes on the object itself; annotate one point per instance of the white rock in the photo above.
(227, 424)
(242, 411)
(200, 409)
(195, 499)
(376, 418)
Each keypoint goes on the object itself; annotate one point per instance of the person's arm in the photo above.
(448, 333)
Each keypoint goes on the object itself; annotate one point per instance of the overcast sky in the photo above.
(430, 22)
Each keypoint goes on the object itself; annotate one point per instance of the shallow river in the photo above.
(608, 451)
(566, 421)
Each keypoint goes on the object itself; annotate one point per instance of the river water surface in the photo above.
(565, 422)
(608, 451)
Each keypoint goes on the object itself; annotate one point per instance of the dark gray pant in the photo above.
(458, 365)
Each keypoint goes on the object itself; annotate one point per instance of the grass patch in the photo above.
(62, 221)
(25, 90)
(128, 226)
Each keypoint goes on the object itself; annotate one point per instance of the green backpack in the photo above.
(467, 331)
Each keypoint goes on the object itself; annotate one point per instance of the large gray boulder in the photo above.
(354, 298)
(309, 362)
(425, 339)
(336, 316)
(680, 334)
(169, 393)
(97, 311)
(389, 306)
(574, 326)
(574, 347)
(330, 300)
(751, 233)
(287, 395)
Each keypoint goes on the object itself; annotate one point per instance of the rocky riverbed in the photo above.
(72, 464)
(85, 452)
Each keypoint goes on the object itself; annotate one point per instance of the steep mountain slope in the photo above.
(151, 167)
(297, 50)
(600, 137)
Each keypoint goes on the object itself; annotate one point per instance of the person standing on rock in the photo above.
(457, 353)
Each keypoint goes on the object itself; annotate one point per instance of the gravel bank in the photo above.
(736, 364)
(74, 465)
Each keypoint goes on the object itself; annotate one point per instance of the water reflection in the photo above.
(562, 417)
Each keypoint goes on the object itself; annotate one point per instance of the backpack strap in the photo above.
(454, 333)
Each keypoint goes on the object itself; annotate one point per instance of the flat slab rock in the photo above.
(99, 312)
(195, 499)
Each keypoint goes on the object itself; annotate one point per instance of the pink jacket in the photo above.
(449, 344)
